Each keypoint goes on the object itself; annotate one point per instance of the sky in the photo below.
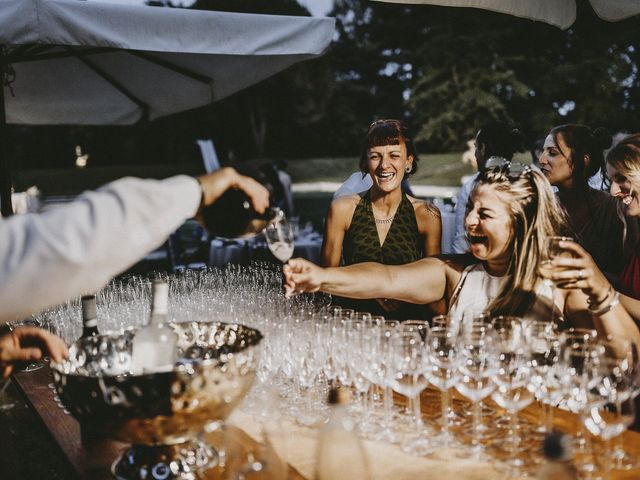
(316, 7)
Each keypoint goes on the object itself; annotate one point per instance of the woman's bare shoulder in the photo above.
(424, 209)
(345, 203)
(457, 261)
(344, 207)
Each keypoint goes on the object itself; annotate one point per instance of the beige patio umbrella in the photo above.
(560, 13)
(69, 62)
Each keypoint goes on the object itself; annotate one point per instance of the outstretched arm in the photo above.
(423, 281)
(66, 251)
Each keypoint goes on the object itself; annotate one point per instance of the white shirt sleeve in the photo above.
(460, 243)
(356, 183)
(77, 248)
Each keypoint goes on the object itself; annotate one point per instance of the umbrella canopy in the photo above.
(93, 63)
(561, 13)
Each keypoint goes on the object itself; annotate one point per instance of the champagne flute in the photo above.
(279, 236)
(550, 251)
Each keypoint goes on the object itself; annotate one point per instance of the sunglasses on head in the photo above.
(384, 122)
(512, 170)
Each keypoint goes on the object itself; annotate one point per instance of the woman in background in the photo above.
(495, 139)
(572, 155)
(623, 171)
(383, 224)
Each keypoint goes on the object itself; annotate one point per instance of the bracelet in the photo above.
(597, 302)
(615, 301)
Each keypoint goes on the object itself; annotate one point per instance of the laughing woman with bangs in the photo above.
(383, 224)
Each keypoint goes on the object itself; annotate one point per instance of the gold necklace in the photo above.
(383, 220)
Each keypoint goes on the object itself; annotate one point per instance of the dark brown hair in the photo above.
(388, 132)
(583, 141)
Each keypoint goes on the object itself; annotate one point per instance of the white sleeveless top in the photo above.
(477, 289)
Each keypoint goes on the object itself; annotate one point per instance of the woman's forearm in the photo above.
(418, 282)
(363, 280)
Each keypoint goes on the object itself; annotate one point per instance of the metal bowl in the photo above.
(216, 368)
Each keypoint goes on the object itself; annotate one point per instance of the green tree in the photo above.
(448, 70)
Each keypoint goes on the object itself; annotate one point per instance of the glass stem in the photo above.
(475, 438)
(618, 450)
(515, 436)
(387, 407)
(548, 417)
(608, 455)
(444, 403)
(417, 414)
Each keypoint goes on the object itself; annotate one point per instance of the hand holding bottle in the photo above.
(217, 183)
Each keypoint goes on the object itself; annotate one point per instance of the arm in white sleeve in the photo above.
(460, 243)
(48, 258)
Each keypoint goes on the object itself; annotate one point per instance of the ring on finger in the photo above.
(580, 274)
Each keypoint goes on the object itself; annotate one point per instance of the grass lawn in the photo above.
(445, 169)
(435, 169)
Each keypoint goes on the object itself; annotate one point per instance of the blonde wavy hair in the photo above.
(536, 215)
(625, 158)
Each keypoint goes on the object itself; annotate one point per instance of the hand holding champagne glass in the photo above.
(552, 249)
(279, 235)
(575, 269)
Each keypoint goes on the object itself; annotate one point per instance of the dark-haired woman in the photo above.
(572, 155)
(383, 224)
(495, 139)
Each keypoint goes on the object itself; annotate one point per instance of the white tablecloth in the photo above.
(307, 245)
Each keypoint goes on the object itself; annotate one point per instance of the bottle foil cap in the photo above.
(89, 310)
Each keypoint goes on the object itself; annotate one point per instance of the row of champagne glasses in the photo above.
(511, 360)
(309, 345)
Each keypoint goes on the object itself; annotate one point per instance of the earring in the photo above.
(408, 169)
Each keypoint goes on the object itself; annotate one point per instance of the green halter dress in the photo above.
(402, 245)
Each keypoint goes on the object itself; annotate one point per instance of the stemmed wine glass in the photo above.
(578, 348)
(409, 363)
(609, 399)
(512, 377)
(443, 374)
(279, 236)
(478, 360)
(34, 321)
(625, 355)
(544, 341)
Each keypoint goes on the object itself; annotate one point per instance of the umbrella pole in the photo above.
(6, 207)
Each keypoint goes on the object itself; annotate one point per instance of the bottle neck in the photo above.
(89, 316)
(159, 303)
(156, 319)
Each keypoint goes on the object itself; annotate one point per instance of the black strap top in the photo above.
(402, 244)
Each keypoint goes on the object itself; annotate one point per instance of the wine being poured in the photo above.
(279, 235)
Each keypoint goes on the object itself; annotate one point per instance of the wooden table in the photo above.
(93, 459)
